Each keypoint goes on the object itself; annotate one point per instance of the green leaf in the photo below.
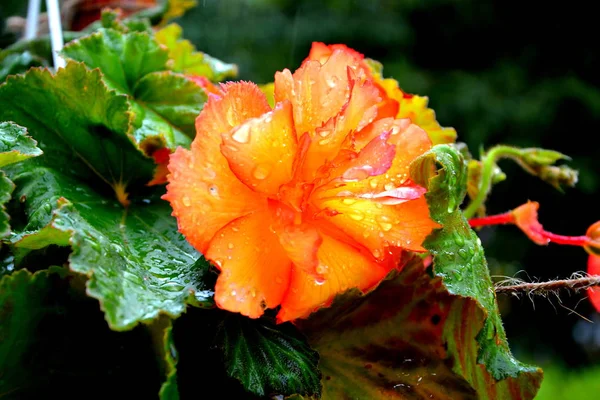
(184, 58)
(81, 125)
(395, 343)
(55, 343)
(15, 146)
(458, 258)
(138, 263)
(269, 359)
(17, 63)
(157, 91)
(169, 389)
(135, 64)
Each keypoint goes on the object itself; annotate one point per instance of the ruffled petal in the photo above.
(377, 225)
(262, 150)
(317, 92)
(301, 243)
(255, 269)
(204, 193)
(344, 267)
(205, 196)
(415, 108)
(321, 52)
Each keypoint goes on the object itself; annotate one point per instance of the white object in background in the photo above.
(56, 33)
(33, 19)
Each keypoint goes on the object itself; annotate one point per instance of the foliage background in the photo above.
(497, 71)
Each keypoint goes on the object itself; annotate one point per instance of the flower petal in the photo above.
(321, 52)
(301, 243)
(415, 108)
(344, 267)
(205, 196)
(317, 92)
(261, 151)
(377, 225)
(526, 218)
(255, 269)
(204, 193)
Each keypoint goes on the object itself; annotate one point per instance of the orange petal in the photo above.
(302, 242)
(261, 151)
(321, 52)
(526, 218)
(255, 269)
(205, 84)
(206, 196)
(344, 267)
(204, 193)
(317, 92)
(377, 225)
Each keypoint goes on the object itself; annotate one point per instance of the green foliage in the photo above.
(269, 359)
(459, 260)
(55, 341)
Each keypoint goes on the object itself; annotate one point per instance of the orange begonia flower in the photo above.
(409, 106)
(299, 202)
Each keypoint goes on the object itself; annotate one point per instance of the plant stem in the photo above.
(544, 287)
(489, 162)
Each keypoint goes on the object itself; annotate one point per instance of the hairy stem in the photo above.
(574, 284)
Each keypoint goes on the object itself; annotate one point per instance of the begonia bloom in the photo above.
(299, 202)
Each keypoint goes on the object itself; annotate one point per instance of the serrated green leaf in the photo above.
(157, 91)
(17, 63)
(459, 260)
(138, 263)
(15, 146)
(55, 343)
(394, 343)
(269, 359)
(80, 124)
(6, 189)
(132, 62)
(123, 58)
(184, 58)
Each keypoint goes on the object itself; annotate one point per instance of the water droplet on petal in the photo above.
(356, 215)
(242, 134)
(213, 190)
(233, 292)
(230, 246)
(262, 171)
(348, 201)
(373, 183)
(389, 186)
(186, 201)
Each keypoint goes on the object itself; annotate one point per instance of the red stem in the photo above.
(500, 219)
(508, 218)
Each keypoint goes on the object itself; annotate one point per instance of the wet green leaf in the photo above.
(458, 258)
(269, 359)
(135, 64)
(55, 343)
(15, 146)
(138, 263)
(82, 127)
(407, 339)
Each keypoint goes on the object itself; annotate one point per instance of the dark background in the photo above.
(510, 72)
